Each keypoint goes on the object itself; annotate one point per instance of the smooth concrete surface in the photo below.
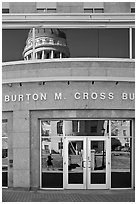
(117, 7)
(67, 95)
(22, 7)
(70, 7)
(21, 178)
(21, 150)
(64, 68)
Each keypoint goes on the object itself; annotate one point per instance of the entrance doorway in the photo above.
(86, 154)
(86, 163)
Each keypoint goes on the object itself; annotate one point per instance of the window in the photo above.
(51, 10)
(4, 153)
(60, 127)
(51, 154)
(93, 129)
(56, 55)
(41, 10)
(46, 10)
(98, 10)
(5, 10)
(121, 145)
(132, 10)
(86, 127)
(82, 43)
(88, 10)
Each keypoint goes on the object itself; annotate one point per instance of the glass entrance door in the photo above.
(75, 163)
(97, 168)
(85, 163)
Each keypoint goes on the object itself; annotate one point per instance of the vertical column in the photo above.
(42, 54)
(33, 43)
(51, 54)
(21, 149)
(60, 55)
(130, 43)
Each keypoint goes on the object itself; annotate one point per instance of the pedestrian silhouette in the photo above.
(49, 162)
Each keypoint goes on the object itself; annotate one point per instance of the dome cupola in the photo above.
(49, 44)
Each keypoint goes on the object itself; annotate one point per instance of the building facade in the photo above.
(68, 101)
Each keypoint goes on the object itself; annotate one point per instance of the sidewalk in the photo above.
(10, 195)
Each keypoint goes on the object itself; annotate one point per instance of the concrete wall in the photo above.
(24, 140)
(56, 68)
(116, 7)
(21, 149)
(69, 7)
(22, 7)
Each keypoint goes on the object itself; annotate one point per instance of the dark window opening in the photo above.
(46, 10)
(132, 10)
(56, 55)
(98, 10)
(5, 10)
(89, 10)
(133, 43)
(51, 10)
(47, 55)
(63, 55)
(39, 55)
(41, 10)
(29, 56)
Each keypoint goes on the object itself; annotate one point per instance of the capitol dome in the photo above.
(49, 44)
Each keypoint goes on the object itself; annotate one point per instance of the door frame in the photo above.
(65, 163)
(106, 139)
(86, 173)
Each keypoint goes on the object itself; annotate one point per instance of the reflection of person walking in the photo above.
(49, 162)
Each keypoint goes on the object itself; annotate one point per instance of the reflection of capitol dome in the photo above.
(49, 43)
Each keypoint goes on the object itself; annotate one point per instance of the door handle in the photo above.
(89, 164)
(83, 164)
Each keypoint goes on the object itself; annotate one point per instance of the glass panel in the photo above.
(4, 153)
(86, 127)
(121, 128)
(113, 43)
(52, 162)
(52, 128)
(4, 129)
(4, 144)
(133, 43)
(97, 162)
(52, 154)
(120, 162)
(51, 150)
(75, 162)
